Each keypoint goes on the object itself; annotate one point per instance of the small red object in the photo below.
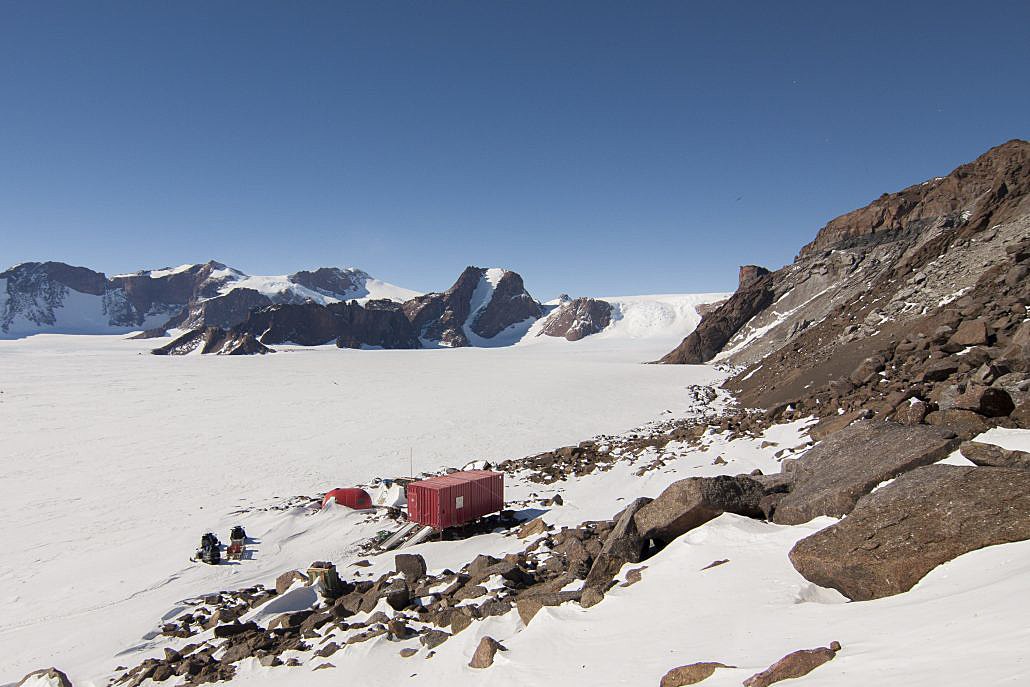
(357, 499)
(455, 499)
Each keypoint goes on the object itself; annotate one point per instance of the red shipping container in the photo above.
(455, 499)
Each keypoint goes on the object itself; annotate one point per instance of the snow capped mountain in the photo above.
(656, 317)
(58, 298)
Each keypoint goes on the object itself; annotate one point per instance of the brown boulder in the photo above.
(690, 674)
(691, 502)
(965, 423)
(970, 333)
(926, 517)
(411, 565)
(989, 455)
(532, 528)
(484, 656)
(837, 472)
(286, 580)
(793, 665)
(623, 545)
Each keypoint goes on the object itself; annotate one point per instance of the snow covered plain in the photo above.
(114, 463)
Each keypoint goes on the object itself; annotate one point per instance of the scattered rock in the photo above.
(793, 665)
(690, 674)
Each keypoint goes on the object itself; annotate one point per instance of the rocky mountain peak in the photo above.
(482, 302)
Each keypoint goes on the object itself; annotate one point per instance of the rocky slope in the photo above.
(913, 304)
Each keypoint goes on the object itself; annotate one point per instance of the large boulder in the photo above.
(411, 565)
(989, 455)
(836, 473)
(484, 656)
(623, 545)
(691, 502)
(926, 517)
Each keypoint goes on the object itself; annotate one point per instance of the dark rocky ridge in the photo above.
(191, 297)
(868, 315)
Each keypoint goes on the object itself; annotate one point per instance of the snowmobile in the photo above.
(210, 550)
(237, 542)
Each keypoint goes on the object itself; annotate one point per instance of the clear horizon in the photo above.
(595, 148)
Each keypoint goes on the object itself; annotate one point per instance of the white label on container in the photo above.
(459, 502)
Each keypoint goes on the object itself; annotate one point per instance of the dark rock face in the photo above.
(332, 281)
(36, 291)
(623, 545)
(349, 324)
(691, 502)
(716, 328)
(509, 305)
(998, 179)
(221, 311)
(443, 317)
(578, 318)
(380, 324)
(836, 473)
(749, 274)
(926, 517)
(169, 293)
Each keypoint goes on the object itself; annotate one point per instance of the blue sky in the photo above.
(595, 147)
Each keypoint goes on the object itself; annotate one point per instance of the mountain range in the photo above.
(212, 308)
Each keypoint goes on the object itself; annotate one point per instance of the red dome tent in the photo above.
(352, 498)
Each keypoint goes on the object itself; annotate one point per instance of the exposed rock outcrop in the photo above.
(214, 340)
(577, 318)
(899, 533)
(837, 472)
(482, 302)
(718, 327)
